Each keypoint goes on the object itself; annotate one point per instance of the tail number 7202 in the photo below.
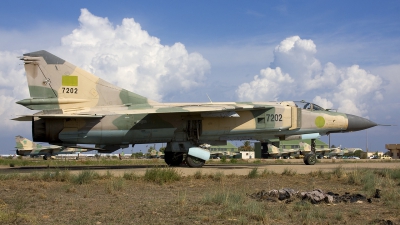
(70, 90)
(274, 117)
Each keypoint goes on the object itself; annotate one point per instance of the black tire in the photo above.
(194, 162)
(45, 157)
(173, 158)
(310, 159)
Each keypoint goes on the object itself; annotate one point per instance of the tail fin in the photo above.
(57, 84)
(22, 143)
(273, 149)
(304, 147)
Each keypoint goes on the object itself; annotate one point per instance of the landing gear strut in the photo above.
(310, 158)
(173, 158)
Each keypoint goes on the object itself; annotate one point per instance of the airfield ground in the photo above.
(215, 194)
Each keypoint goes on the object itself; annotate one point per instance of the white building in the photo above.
(247, 155)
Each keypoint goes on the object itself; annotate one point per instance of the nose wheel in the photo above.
(310, 158)
(194, 162)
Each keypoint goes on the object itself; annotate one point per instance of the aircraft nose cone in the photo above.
(358, 123)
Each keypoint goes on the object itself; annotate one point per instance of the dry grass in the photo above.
(165, 197)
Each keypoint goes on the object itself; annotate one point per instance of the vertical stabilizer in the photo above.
(57, 84)
(22, 143)
(273, 149)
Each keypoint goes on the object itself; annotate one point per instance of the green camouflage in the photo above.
(78, 107)
(26, 147)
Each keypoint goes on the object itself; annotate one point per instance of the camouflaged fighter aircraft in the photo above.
(26, 147)
(78, 107)
(276, 152)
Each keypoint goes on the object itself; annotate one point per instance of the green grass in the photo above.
(131, 176)
(233, 161)
(253, 173)
(162, 175)
(234, 204)
(85, 177)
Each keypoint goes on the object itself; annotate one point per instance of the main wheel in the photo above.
(192, 161)
(310, 159)
(45, 157)
(173, 158)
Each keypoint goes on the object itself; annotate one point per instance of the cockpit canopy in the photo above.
(309, 106)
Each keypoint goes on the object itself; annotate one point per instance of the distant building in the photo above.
(224, 148)
(394, 150)
(247, 154)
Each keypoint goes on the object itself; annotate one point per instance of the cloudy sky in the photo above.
(340, 55)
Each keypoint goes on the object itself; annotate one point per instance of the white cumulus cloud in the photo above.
(347, 89)
(270, 83)
(123, 54)
(129, 57)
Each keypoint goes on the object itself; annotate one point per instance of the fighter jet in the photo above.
(276, 152)
(78, 107)
(26, 147)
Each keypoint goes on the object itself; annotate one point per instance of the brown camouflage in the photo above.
(78, 107)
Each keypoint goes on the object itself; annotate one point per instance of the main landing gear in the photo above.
(173, 158)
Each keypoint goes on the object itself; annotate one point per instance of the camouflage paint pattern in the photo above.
(26, 147)
(78, 107)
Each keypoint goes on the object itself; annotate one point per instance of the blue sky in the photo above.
(340, 54)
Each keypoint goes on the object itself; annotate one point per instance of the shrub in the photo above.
(253, 173)
(162, 175)
(85, 177)
(223, 159)
(233, 160)
(339, 172)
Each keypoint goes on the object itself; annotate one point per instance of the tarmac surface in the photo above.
(227, 168)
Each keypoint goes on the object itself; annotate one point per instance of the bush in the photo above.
(162, 175)
(223, 159)
(253, 173)
(85, 177)
(339, 172)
